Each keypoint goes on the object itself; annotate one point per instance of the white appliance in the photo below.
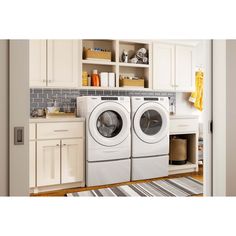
(108, 138)
(150, 137)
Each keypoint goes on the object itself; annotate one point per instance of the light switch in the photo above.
(19, 135)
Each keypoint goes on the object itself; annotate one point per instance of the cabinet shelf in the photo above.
(134, 65)
(115, 88)
(98, 62)
(188, 165)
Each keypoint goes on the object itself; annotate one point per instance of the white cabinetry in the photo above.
(59, 150)
(72, 160)
(48, 162)
(54, 63)
(32, 158)
(38, 63)
(184, 68)
(63, 63)
(173, 67)
(186, 127)
(163, 66)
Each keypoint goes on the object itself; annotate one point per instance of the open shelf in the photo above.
(133, 65)
(115, 65)
(98, 62)
(188, 165)
(192, 155)
(106, 44)
(115, 88)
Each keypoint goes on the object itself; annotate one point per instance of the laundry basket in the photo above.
(178, 151)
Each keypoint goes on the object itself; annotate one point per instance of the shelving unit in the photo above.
(187, 128)
(115, 65)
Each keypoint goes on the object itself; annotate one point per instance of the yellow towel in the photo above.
(197, 96)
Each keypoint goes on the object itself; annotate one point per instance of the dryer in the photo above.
(108, 138)
(150, 137)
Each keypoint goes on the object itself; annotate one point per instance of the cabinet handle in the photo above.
(64, 144)
(58, 145)
(61, 130)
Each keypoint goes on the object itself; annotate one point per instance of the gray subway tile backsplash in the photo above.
(41, 98)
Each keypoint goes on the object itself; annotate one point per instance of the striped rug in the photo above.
(176, 187)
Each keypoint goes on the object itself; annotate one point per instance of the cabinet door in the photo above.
(184, 68)
(72, 161)
(48, 162)
(32, 164)
(163, 66)
(63, 63)
(37, 63)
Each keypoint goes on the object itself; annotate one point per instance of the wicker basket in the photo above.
(132, 83)
(97, 55)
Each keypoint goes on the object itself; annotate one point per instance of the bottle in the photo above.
(85, 78)
(95, 78)
(89, 80)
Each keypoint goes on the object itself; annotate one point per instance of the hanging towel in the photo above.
(197, 96)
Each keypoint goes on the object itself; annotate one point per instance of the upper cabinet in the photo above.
(163, 66)
(38, 63)
(173, 67)
(54, 63)
(63, 63)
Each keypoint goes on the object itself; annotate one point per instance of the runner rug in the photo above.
(176, 187)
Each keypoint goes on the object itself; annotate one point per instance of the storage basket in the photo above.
(132, 83)
(178, 151)
(97, 55)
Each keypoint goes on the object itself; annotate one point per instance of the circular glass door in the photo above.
(151, 122)
(109, 124)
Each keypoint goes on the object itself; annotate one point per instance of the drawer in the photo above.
(183, 126)
(32, 133)
(60, 130)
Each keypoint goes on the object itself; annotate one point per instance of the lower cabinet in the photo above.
(48, 162)
(72, 160)
(59, 162)
(32, 158)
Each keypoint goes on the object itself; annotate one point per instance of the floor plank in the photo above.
(61, 193)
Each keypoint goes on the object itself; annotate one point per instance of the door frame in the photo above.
(19, 96)
(19, 116)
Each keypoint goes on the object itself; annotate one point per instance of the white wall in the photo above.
(231, 118)
(219, 117)
(4, 118)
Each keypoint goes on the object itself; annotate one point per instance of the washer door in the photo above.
(151, 122)
(109, 124)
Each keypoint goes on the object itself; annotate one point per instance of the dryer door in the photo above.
(109, 124)
(151, 122)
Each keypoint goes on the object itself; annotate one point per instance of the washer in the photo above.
(150, 137)
(108, 138)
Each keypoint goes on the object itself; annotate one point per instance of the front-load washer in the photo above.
(150, 137)
(108, 138)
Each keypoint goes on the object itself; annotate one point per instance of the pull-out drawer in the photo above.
(185, 125)
(32, 132)
(60, 130)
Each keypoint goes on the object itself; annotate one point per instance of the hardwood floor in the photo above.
(61, 193)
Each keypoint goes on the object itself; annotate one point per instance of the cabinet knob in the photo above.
(58, 145)
(64, 144)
